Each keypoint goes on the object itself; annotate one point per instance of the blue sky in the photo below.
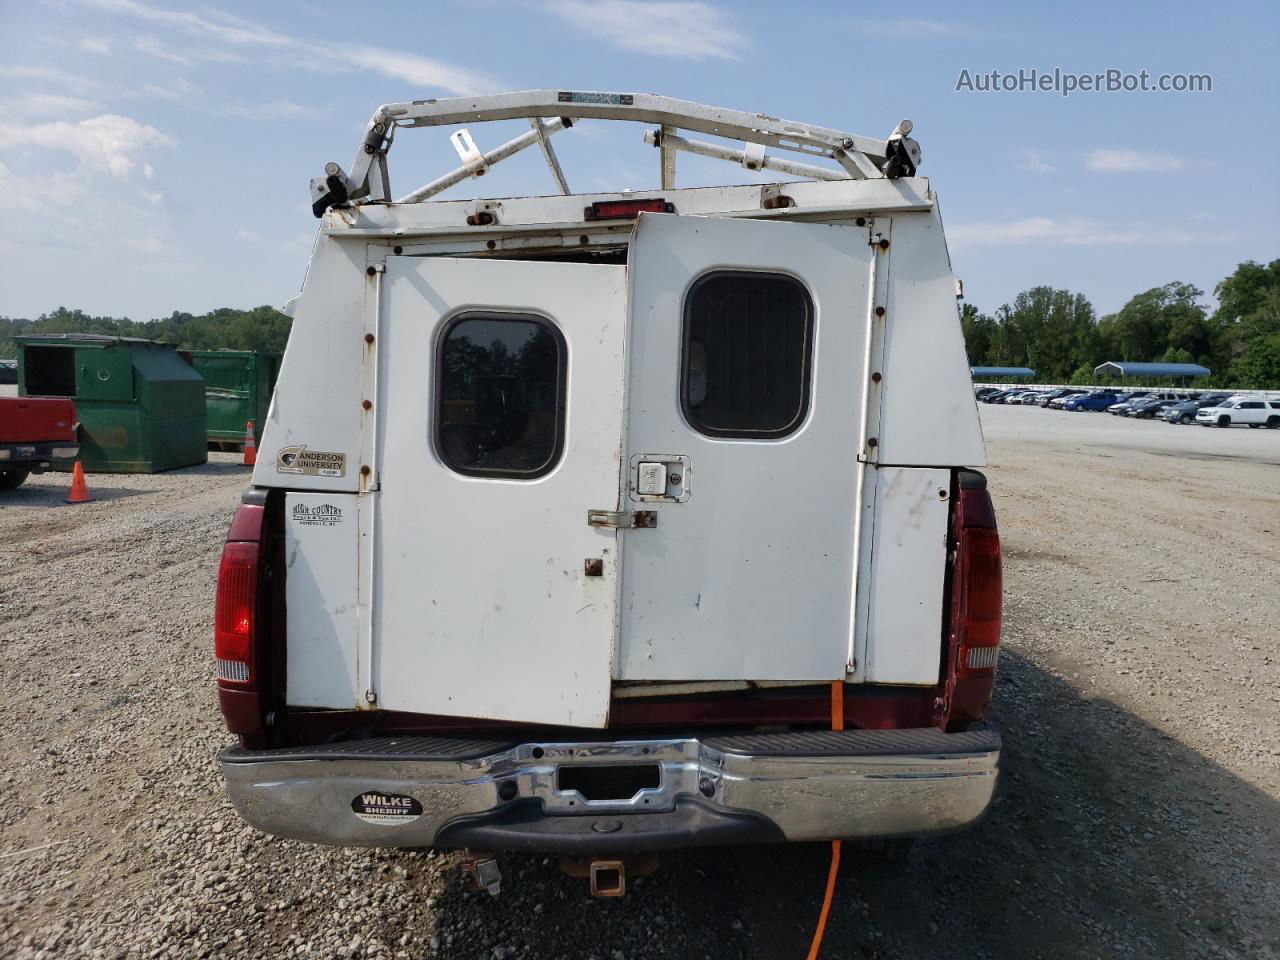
(155, 155)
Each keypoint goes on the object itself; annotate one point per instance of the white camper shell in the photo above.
(542, 456)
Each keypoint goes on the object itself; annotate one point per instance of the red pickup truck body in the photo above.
(33, 431)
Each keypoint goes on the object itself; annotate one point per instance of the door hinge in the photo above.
(622, 518)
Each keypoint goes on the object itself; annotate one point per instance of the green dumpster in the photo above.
(140, 404)
(238, 385)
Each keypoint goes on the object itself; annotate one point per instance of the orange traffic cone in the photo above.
(79, 492)
(250, 448)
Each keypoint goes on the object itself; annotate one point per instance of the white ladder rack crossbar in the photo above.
(551, 110)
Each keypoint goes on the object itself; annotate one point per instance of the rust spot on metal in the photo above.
(593, 567)
(368, 338)
(875, 377)
(879, 311)
(583, 240)
(492, 245)
(872, 442)
(482, 219)
(397, 250)
(646, 518)
(365, 471)
(884, 244)
(861, 221)
(367, 404)
(370, 271)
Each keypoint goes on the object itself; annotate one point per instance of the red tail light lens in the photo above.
(233, 623)
(982, 585)
(973, 638)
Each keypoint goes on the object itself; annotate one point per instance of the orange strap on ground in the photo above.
(837, 723)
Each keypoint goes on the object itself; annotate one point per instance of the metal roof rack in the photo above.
(550, 111)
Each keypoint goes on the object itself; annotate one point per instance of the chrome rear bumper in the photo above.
(419, 791)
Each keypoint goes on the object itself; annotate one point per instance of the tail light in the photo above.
(233, 620)
(976, 591)
(237, 622)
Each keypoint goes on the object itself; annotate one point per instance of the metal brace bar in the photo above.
(461, 173)
(751, 159)
(549, 155)
(668, 159)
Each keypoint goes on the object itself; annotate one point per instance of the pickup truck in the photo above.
(612, 522)
(34, 431)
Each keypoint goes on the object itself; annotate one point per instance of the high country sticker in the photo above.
(311, 463)
(386, 808)
(321, 515)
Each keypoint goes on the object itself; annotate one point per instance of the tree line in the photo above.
(262, 328)
(1057, 334)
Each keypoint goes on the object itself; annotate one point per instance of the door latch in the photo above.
(620, 519)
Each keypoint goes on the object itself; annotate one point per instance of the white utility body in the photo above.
(542, 453)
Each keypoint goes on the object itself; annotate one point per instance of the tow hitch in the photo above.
(608, 876)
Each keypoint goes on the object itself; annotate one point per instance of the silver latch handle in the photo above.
(625, 519)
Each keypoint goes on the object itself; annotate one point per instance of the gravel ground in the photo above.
(1138, 813)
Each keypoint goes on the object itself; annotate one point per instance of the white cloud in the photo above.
(248, 236)
(237, 33)
(1044, 231)
(45, 104)
(272, 110)
(908, 29)
(99, 45)
(109, 142)
(1132, 161)
(154, 48)
(1034, 161)
(70, 81)
(669, 28)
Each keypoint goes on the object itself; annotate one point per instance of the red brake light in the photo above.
(233, 624)
(982, 586)
(626, 209)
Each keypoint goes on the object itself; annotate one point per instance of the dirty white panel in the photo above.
(321, 556)
(908, 568)
(748, 575)
(482, 602)
(928, 414)
(311, 440)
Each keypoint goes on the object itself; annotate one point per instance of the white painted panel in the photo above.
(928, 415)
(751, 576)
(321, 554)
(316, 404)
(481, 603)
(908, 568)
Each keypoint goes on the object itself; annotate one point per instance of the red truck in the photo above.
(34, 431)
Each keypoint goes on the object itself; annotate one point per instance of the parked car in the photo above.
(1098, 400)
(35, 431)
(1056, 398)
(1149, 407)
(1121, 406)
(981, 393)
(1253, 411)
(467, 611)
(999, 397)
(1184, 411)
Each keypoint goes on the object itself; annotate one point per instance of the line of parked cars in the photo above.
(1206, 409)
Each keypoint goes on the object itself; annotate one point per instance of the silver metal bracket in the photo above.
(622, 519)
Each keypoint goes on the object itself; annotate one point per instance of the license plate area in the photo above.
(608, 782)
(620, 777)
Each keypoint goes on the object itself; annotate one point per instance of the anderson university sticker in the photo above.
(386, 808)
(311, 463)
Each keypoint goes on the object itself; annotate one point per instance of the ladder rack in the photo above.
(551, 111)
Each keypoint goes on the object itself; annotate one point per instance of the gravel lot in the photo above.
(1138, 813)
